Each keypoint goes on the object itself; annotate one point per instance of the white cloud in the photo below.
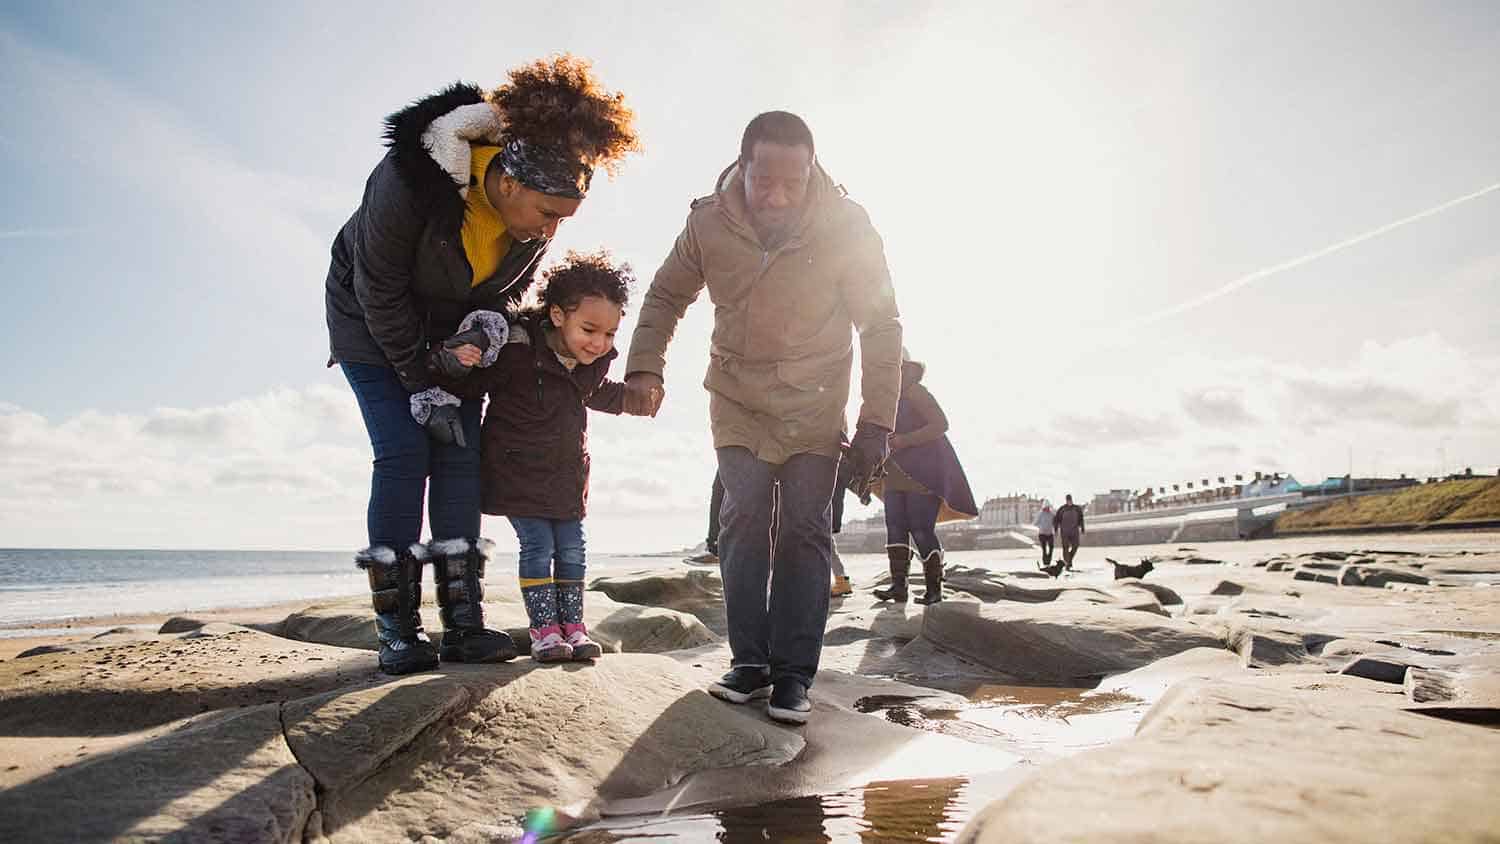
(291, 467)
(175, 477)
(1393, 406)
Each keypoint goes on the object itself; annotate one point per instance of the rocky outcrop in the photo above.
(1059, 642)
(1379, 576)
(214, 731)
(697, 592)
(433, 755)
(1274, 758)
(227, 779)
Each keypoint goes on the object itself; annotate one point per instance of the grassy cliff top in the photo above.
(1450, 501)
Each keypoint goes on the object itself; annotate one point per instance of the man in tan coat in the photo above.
(793, 269)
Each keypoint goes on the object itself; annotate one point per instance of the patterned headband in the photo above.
(546, 169)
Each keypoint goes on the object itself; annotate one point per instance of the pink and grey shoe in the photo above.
(548, 645)
(578, 639)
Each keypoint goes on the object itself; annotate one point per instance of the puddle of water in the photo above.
(1032, 720)
(913, 810)
(1045, 721)
(1039, 721)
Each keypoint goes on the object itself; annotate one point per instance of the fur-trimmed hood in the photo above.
(430, 142)
(398, 279)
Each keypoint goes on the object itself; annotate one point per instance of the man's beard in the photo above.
(773, 232)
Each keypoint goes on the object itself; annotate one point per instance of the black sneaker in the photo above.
(789, 703)
(742, 684)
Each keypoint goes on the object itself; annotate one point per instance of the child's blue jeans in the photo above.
(546, 540)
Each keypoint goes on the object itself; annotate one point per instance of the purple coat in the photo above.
(927, 462)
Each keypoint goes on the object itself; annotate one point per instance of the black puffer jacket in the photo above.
(399, 280)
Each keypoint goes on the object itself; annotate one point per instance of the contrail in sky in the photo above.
(17, 234)
(1265, 272)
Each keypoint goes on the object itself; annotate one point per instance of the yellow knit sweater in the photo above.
(484, 235)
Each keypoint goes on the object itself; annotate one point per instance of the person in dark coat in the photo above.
(924, 485)
(1069, 525)
(535, 459)
(454, 218)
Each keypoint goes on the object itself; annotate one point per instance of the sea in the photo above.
(43, 590)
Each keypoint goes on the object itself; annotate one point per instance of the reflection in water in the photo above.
(1042, 721)
(801, 820)
(1034, 721)
(912, 810)
(895, 811)
(1045, 721)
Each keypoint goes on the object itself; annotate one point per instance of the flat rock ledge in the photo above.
(1265, 758)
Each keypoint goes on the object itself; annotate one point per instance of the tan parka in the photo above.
(784, 318)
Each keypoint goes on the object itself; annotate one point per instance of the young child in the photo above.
(534, 444)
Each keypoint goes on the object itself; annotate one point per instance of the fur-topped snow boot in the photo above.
(458, 572)
(396, 593)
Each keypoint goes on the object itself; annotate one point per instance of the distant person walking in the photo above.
(1069, 525)
(1044, 521)
(455, 218)
(924, 484)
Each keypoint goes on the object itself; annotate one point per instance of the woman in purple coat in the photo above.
(924, 485)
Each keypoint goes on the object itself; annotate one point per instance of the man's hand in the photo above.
(868, 451)
(643, 393)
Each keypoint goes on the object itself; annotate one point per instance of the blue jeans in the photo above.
(912, 514)
(780, 627)
(546, 540)
(404, 460)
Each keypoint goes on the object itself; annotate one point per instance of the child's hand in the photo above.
(480, 334)
(643, 393)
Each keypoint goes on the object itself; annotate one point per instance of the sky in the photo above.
(1136, 243)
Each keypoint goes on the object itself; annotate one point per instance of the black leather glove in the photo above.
(845, 479)
(448, 364)
(867, 453)
(446, 426)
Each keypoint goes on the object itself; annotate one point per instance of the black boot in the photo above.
(932, 572)
(900, 556)
(396, 592)
(458, 573)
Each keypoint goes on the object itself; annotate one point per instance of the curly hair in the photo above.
(581, 275)
(558, 102)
